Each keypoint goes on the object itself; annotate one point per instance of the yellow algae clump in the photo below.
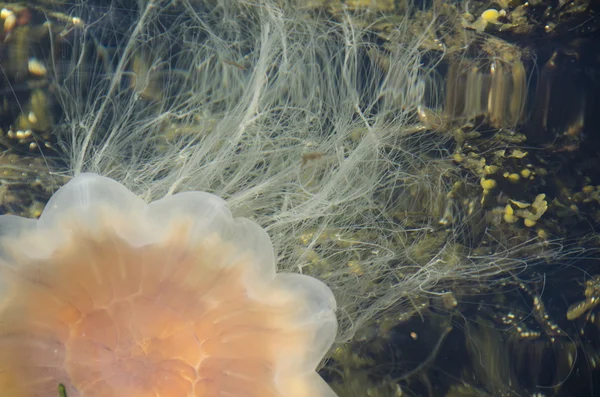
(488, 184)
(110, 296)
(491, 15)
(488, 16)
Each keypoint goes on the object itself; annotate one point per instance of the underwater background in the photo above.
(434, 163)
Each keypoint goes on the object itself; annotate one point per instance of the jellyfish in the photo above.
(107, 295)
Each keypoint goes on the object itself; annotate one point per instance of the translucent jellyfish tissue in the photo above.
(108, 295)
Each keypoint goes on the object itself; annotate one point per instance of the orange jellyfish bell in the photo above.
(110, 296)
